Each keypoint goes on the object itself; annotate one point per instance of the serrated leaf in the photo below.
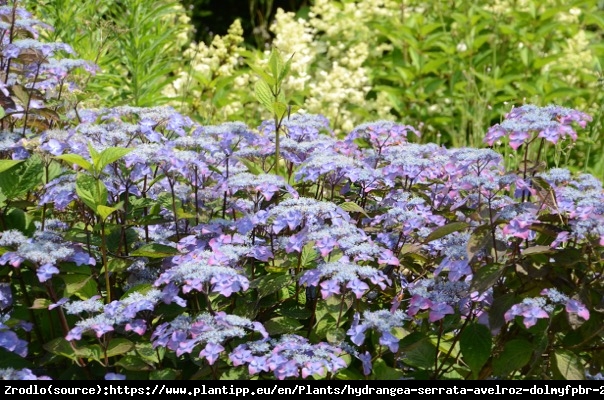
(105, 211)
(444, 230)
(475, 344)
(420, 355)
(568, 365)
(275, 62)
(109, 155)
(351, 206)
(282, 325)
(87, 191)
(76, 159)
(272, 283)
(27, 176)
(119, 346)
(21, 93)
(83, 286)
(279, 109)
(515, 355)
(149, 353)
(94, 154)
(264, 95)
(165, 374)
(382, 371)
(8, 164)
(133, 363)
(309, 254)
(485, 277)
(235, 374)
(155, 250)
(285, 70)
(263, 75)
(45, 113)
(62, 347)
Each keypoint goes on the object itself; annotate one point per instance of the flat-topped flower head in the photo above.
(553, 123)
(335, 276)
(185, 333)
(290, 356)
(383, 322)
(381, 134)
(207, 270)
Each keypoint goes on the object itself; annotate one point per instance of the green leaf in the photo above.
(105, 211)
(285, 70)
(76, 159)
(282, 325)
(515, 355)
(2, 112)
(264, 95)
(235, 374)
(18, 181)
(568, 365)
(263, 75)
(18, 219)
(21, 93)
(475, 344)
(62, 347)
(351, 206)
(8, 164)
(149, 353)
(271, 283)
(309, 254)
(80, 285)
(94, 154)
(444, 230)
(91, 191)
(9, 359)
(485, 277)
(155, 250)
(133, 363)
(119, 346)
(165, 374)
(109, 155)
(421, 354)
(279, 109)
(382, 371)
(275, 63)
(85, 188)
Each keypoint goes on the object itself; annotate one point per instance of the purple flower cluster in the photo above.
(290, 356)
(184, 333)
(552, 123)
(45, 251)
(107, 317)
(534, 308)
